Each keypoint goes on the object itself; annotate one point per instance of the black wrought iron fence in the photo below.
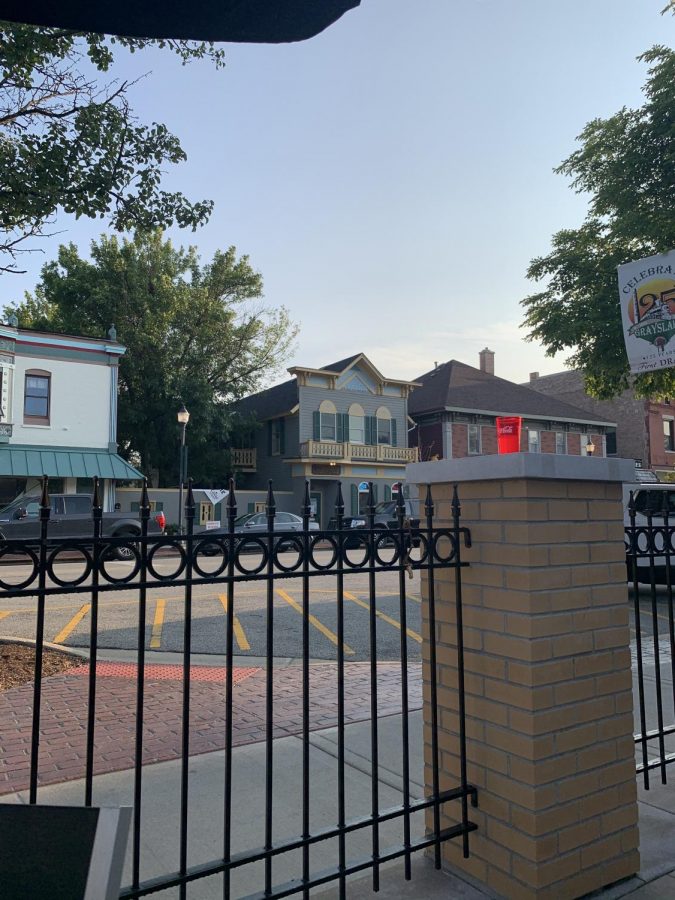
(650, 549)
(224, 559)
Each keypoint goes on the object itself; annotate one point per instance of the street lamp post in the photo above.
(183, 417)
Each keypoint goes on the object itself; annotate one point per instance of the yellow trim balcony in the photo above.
(348, 452)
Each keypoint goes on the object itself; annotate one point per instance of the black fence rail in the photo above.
(650, 554)
(230, 559)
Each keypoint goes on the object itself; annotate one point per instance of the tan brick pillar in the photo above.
(548, 672)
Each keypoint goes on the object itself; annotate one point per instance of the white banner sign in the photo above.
(647, 292)
(216, 496)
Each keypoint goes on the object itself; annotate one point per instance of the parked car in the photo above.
(650, 499)
(71, 516)
(386, 517)
(255, 525)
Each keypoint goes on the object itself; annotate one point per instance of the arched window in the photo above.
(37, 397)
(357, 424)
(385, 432)
(328, 420)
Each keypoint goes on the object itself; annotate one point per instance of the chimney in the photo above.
(533, 376)
(487, 361)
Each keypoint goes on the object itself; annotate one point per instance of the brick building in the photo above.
(645, 429)
(455, 408)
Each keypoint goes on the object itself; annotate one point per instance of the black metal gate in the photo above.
(221, 559)
(650, 547)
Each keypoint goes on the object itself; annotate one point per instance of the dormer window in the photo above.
(37, 397)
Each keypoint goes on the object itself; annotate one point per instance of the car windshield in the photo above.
(387, 508)
(19, 503)
(241, 520)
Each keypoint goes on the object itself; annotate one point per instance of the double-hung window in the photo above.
(328, 426)
(357, 424)
(560, 442)
(36, 398)
(533, 444)
(474, 439)
(384, 430)
(669, 434)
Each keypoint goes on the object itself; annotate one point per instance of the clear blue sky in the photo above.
(392, 178)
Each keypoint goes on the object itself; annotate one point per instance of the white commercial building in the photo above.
(58, 413)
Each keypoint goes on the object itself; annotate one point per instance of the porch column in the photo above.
(548, 672)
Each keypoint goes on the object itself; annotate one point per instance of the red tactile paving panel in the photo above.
(65, 697)
(165, 672)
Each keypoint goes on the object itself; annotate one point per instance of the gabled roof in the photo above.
(273, 402)
(341, 364)
(457, 386)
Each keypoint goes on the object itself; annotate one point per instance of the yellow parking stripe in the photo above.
(326, 632)
(72, 625)
(239, 632)
(3, 615)
(412, 634)
(156, 636)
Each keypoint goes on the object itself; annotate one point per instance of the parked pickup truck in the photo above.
(71, 517)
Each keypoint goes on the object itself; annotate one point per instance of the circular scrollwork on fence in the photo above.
(109, 555)
(182, 560)
(444, 546)
(21, 550)
(356, 552)
(387, 548)
(315, 546)
(292, 544)
(213, 548)
(70, 547)
(250, 545)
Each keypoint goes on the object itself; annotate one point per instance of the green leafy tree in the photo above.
(69, 140)
(194, 333)
(626, 166)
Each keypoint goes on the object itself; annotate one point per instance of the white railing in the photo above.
(244, 459)
(347, 451)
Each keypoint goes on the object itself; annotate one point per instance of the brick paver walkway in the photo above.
(64, 713)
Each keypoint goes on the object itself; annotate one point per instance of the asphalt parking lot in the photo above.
(68, 616)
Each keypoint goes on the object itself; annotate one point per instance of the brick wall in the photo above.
(460, 440)
(548, 687)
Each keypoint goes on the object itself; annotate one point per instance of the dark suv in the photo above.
(386, 518)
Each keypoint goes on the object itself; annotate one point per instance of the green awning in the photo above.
(19, 462)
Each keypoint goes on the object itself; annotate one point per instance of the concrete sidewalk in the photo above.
(161, 793)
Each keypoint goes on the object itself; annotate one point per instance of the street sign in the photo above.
(363, 487)
(647, 296)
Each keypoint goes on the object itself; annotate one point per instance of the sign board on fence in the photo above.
(647, 293)
(212, 524)
(508, 434)
(216, 496)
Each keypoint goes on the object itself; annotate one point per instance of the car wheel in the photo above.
(124, 552)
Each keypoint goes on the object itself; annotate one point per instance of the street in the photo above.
(68, 615)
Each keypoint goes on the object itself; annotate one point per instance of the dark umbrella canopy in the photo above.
(241, 21)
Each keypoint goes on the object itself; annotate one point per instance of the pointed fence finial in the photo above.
(306, 510)
(145, 500)
(456, 507)
(371, 499)
(339, 502)
(270, 505)
(96, 496)
(190, 502)
(429, 504)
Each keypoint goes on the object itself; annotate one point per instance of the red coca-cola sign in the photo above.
(508, 434)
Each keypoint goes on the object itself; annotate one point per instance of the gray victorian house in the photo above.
(345, 422)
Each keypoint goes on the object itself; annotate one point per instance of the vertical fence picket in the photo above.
(306, 549)
(374, 730)
(144, 509)
(457, 534)
(405, 541)
(433, 674)
(187, 651)
(97, 512)
(340, 600)
(633, 557)
(39, 640)
(229, 651)
(270, 510)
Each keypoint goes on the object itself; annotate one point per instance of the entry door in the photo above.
(315, 502)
